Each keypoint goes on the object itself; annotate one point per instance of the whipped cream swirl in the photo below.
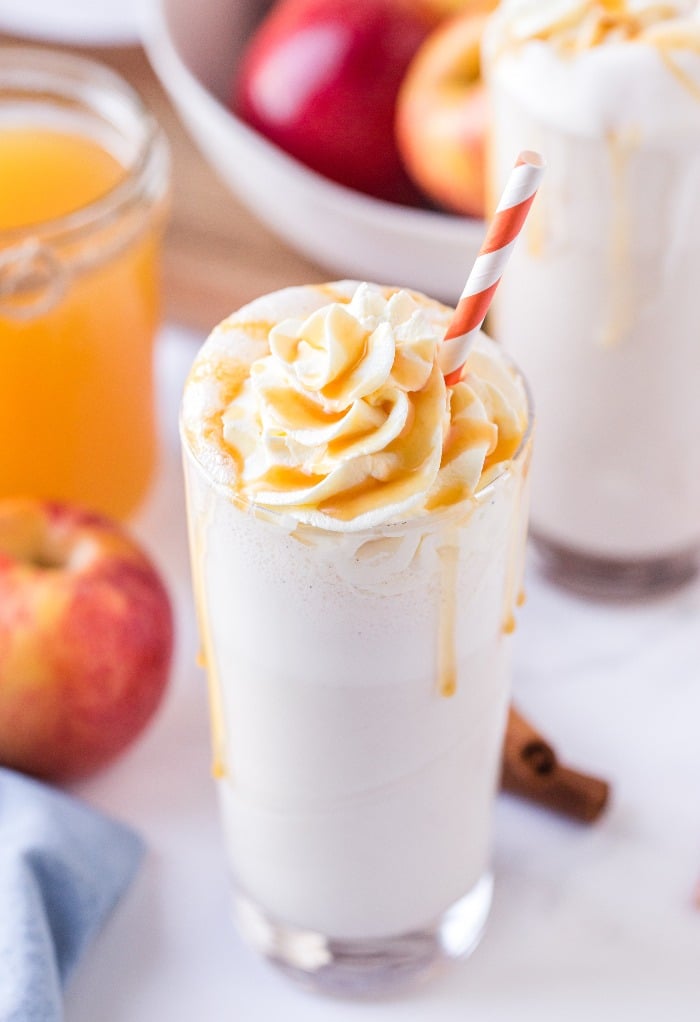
(582, 24)
(345, 420)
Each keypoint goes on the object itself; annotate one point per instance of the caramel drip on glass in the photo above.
(688, 83)
(206, 652)
(447, 627)
(514, 595)
(620, 311)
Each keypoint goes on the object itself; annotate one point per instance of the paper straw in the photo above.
(487, 271)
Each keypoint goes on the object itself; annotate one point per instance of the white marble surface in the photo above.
(587, 922)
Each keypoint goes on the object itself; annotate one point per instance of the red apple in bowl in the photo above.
(442, 114)
(320, 78)
(86, 636)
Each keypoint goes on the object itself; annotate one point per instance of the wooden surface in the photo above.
(217, 255)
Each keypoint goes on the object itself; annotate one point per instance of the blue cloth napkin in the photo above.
(63, 867)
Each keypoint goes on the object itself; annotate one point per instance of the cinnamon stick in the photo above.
(532, 770)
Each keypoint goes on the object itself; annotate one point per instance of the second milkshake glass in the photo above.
(601, 307)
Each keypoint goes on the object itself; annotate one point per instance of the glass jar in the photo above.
(85, 171)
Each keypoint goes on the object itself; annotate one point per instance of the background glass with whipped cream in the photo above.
(84, 172)
(601, 305)
(357, 533)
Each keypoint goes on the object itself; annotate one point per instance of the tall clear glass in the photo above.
(359, 684)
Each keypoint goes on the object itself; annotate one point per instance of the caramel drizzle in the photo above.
(620, 310)
(461, 437)
(303, 412)
(332, 294)
(298, 410)
(688, 83)
(206, 657)
(230, 378)
(257, 329)
(447, 634)
(446, 496)
(467, 434)
(504, 450)
(514, 596)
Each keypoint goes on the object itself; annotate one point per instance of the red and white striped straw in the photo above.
(487, 271)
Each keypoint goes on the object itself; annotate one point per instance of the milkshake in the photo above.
(601, 307)
(357, 532)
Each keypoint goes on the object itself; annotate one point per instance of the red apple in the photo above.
(86, 637)
(320, 79)
(442, 114)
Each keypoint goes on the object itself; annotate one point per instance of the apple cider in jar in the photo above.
(84, 172)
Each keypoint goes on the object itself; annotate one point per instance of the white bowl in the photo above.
(194, 46)
(78, 22)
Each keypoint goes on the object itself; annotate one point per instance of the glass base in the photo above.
(367, 968)
(615, 579)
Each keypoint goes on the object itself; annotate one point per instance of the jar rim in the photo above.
(52, 76)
